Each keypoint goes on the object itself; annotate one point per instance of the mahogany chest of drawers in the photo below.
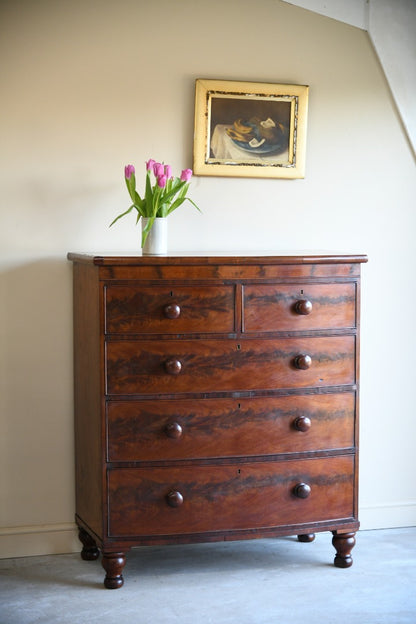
(216, 398)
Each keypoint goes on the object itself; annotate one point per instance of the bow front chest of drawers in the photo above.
(216, 398)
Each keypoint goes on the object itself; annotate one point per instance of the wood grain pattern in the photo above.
(228, 365)
(141, 309)
(274, 307)
(215, 498)
(228, 427)
(216, 398)
(88, 429)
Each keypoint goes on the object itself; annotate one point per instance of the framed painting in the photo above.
(250, 129)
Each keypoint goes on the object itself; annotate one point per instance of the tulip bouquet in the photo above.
(160, 198)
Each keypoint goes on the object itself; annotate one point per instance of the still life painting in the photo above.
(250, 129)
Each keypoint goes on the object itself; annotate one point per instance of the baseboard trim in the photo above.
(45, 539)
(387, 516)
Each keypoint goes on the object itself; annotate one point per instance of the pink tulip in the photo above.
(161, 181)
(168, 171)
(129, 170)
(158, 170)
(149, 164)
(186, 175)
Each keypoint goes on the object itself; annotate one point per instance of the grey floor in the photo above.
(275, 581)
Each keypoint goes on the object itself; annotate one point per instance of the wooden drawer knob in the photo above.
(302, 423)
(173, 366)
(303, 361)
(173, 430)
(172, 311)
(302, 490)
(174, 498)
(303, 306)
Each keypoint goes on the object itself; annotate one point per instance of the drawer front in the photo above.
(169, 309)
(147, 501)
(189, 429)
(299, 307)
(173, 366)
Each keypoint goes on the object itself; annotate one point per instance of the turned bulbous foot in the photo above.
(343, 544)
(307, 537)
(113, 564)
(89, 551)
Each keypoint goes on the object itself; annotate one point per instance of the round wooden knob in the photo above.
(302, 490)
(173, 366)
(174, 498)
(303, 361)
(173, 430)
(172, 311)
(303, 306)
(302, 423)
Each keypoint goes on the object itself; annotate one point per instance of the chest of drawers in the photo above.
(216, 398)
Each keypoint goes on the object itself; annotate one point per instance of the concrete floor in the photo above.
(275, 581)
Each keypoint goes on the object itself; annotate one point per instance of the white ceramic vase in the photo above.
(156, 243)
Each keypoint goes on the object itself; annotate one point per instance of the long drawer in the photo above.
(192, 428)
(173, 366)
(298, 307)
(193, 499)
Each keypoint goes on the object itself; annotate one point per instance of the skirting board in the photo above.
(56, 539)
(45, 539)
(391, 516)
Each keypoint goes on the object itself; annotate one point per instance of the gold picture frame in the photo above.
(250, 129)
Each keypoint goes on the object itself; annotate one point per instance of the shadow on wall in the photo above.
(37, 392)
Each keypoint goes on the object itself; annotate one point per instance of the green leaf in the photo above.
(163, 210)
(147, 229)
(157, 202)
(175, 189)
(131, 186)
(179, 201)
(122, 214)
(193, 204)
(148, 206)
(138, 200)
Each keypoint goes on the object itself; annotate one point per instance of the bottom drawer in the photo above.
(201, 498)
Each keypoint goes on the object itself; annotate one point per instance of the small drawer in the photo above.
(299, 307)
(207, 498)
(169, 309)
(172, 366)
(204, 428)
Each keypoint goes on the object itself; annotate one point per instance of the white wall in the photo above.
(88, 86)
(392, 28)
(391, 25)
(352, 12)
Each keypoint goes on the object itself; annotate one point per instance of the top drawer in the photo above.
(169, 309)
(299, 307)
